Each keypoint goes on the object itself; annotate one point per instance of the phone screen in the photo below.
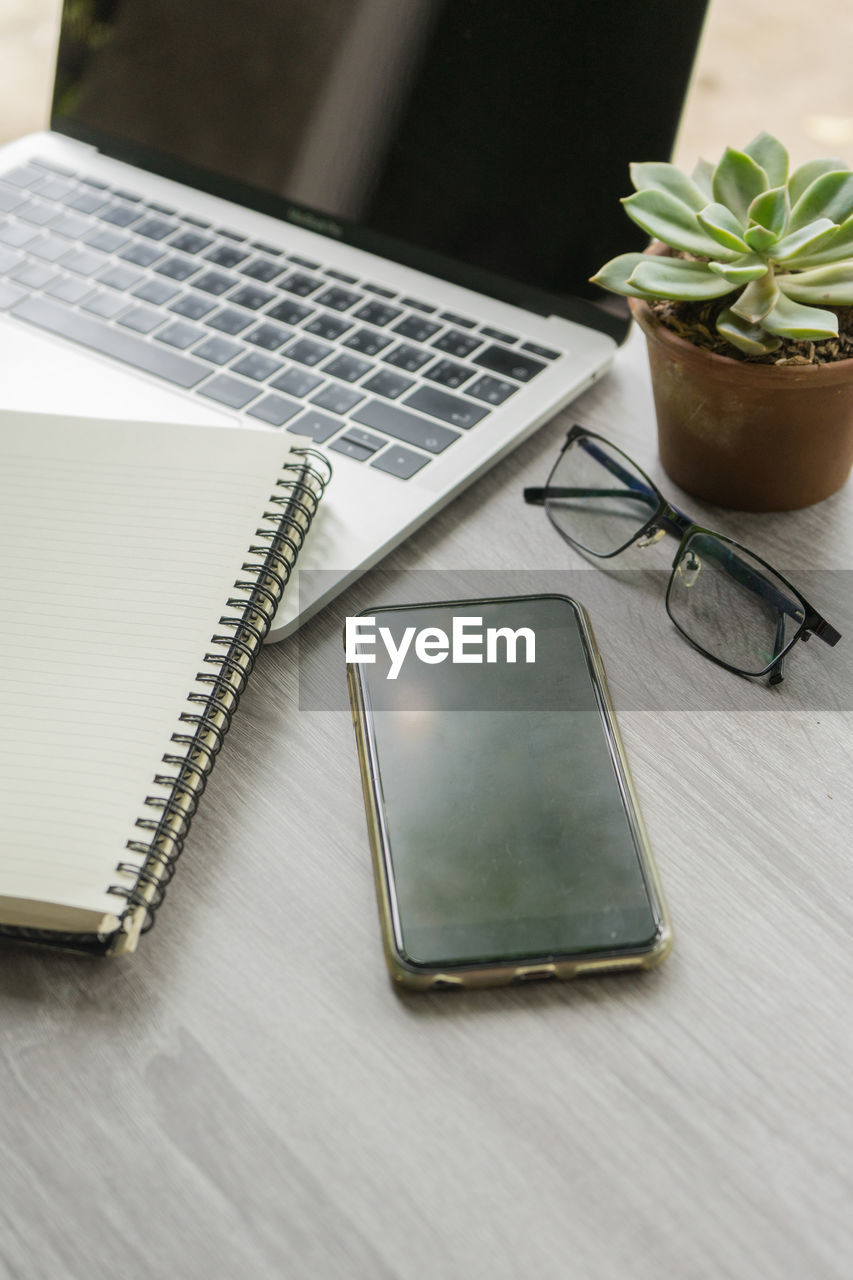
(508, 829)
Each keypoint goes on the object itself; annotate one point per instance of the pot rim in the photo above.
(643, 312)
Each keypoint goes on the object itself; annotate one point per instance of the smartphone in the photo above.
(506, 838)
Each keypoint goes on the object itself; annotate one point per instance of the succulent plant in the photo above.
(783, 243)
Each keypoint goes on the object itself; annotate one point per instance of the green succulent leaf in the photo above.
(722, 224)
(832, 285)
(771, 210)
(737, 181)
(669, 220)
(742, 270)
(813, 236)
(703, 177)
(757, 299)
(760, 239)
(829, 196)
(840, 246)
(803, 177)
(667, 177)
(749, 338)
(790, 319)
(615, 273)
(674, 278)
(769, 153)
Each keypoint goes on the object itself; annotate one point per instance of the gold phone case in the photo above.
(423, 977)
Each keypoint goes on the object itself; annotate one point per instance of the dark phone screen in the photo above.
(506, 828)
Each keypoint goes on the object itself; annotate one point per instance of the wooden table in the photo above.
(248, 1095)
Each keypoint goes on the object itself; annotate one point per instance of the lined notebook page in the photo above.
(119, 546)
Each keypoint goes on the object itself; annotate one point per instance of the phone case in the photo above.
(423, 978)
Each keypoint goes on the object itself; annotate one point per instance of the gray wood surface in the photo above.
(248, 1095)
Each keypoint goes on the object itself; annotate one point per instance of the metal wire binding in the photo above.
(302, 484)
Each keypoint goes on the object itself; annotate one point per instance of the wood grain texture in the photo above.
(247, 1095)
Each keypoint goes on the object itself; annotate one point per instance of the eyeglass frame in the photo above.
(669, 519)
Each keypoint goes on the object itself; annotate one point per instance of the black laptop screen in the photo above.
(493, 133)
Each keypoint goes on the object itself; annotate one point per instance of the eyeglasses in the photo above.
(730, 604)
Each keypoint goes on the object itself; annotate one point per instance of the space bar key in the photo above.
(97, 336)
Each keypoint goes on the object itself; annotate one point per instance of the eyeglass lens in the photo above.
(597, 497)
(731, 605)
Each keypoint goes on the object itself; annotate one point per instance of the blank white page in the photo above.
(120, 544)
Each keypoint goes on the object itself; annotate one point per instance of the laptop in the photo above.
(365, 224)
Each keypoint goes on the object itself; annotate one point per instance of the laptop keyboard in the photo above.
(386, 380)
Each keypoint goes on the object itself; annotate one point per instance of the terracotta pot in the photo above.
(751, 436)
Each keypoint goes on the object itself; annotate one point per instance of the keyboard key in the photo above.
(72, 225)
(351, 449)
(262, 269)
(307, 351)
(409, 358)
(156, 291)
(319, 426)
(251, 296)
(106, 240)
(230, 320)
(256, 365)
(177, 268)
(141, 319)
(404, 426)
(498, 335)
(304, 262)
(179, 334)
(105, 304)
(457, 344)
(547, 353)
(231, 235)
(9, 198)
(449, 373)
(328, 326)
(300, 284)
(160, 208)
(192, 305)
(416, 328)
(337, 399)
(10, 294)
(9, 259)
(511, 364)
(214, 282)
(217, 350)
(85, 201)
(347, 368)
(118, 277)
(263, 247)
(451, 409)
(190, 242)
(141, 252)
(418, 306)
(365, 438)
(289, 312)
(120, 215)
(269, 336)
(155, 228)
(492, 390)
(452, 318)
(35, 275)
(127, 195)
(69, 289)
(84, 261)
(340, 275)
(53, 167)
(387, 383)
(226, 255)
(48, 248)
(53, 188)
(23, 176)
(368, 341)
(276, 410)
(338, 299)
(379, 290)
(402, 463)
(296, 382)
(37, 213)
(17, 234)
(93, 182)
(119, 344)
(227, 390)
(378, 313)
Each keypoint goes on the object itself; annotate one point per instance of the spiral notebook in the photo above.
(140, 567)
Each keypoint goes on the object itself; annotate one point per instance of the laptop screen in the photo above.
(486, 141)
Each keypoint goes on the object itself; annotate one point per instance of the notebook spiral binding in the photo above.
(142, 884)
